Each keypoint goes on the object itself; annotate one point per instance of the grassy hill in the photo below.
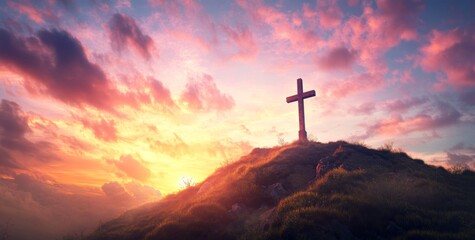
(312, 191)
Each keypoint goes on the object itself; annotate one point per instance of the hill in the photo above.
(336, 190)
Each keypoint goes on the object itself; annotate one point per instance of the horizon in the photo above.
(126, 100)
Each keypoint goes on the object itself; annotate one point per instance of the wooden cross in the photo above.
(300, 97)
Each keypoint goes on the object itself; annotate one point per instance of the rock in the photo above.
(265, 219)
(276, 191)
(329, 163)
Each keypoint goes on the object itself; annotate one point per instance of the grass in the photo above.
(374, 194)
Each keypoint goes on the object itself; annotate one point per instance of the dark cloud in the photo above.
(201, 93)
(7, 161)
(54, 63)
(13, 127)
(468, 97)
(132, 167)
(124, 32)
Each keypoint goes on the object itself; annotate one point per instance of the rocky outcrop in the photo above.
(329, 163)
(276, 191)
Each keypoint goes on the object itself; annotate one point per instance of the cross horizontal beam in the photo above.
(302, 96)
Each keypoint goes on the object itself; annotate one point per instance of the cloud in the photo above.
(114, 190)
(244, 41)
(131, 191)
(337, 58)
(13, 127)
(54, 63)
(174, 147)
(403, 105)
(201, 93)
(7, 161)
(378, 29)
(160, 93)
(397, 19)
(132, 167)
(353, 84)
(451, 53)
(50, 210)
(455, 159)
(365, 108)
(142, 193)
(329, 13)
(468, 96)
(124, 31)
(39, 16)
(103, 129)
(283, 27)
(443, 115)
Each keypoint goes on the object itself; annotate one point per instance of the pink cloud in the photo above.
(403, 105)
(397, 19)
(329, 13)
(244, 41)
(379, 29)
(33, 12)
(365, 108)
(124, 31)
(201, 93)
(103, 129)
(353, 84)
(337, 58)
(160, 93)
(283, 27)
(452, 53)
(132, 167)
(443, 115)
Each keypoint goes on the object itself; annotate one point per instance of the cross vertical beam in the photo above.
(299, 97)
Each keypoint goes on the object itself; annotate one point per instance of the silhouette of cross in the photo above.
(300, 97)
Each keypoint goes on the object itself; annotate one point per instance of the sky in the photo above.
(115, 103)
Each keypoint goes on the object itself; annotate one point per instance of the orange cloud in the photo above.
(103, 129)
(132, 167)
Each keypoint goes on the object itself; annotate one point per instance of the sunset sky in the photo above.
(121, 99)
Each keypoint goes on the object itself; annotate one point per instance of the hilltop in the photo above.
(335, 190)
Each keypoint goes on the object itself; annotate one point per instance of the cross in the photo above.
(300, 97)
